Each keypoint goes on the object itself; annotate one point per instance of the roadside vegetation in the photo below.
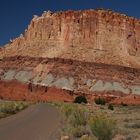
(99, 121)
(80, 123)
(100, 101)
(103, 126)
(8, 108)
(80, 99)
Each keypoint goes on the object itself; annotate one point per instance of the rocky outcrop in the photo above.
(100, 36)
(36, 77)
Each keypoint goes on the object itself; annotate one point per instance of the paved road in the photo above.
(38, 122)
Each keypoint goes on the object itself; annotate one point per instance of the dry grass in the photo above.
(127, 119)
(8, 108)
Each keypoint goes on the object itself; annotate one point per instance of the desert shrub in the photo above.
(13, 107)
(103, 127)
(75, 115)
(9, 108)
(78, 131)
(78, 117)
(100, 101)
(80, 99)
(67, 109)
(110, 106)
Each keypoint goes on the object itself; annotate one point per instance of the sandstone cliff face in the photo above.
(90, 35)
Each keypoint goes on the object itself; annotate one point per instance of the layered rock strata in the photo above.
(69, 79)
(100, 36)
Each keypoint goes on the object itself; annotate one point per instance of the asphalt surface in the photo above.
(38, 122)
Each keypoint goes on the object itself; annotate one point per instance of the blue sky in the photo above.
(15, 15)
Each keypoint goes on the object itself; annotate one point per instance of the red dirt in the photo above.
(14, 90)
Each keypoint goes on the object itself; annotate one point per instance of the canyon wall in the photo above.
(100, 36)
(65, 54)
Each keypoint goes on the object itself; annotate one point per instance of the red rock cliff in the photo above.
(89, 35)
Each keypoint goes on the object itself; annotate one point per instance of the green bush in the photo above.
(110, 106)
(100, 101)
(103, 127)
(80, 99)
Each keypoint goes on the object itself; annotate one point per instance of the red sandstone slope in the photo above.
(26, 78)
(89, 35)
